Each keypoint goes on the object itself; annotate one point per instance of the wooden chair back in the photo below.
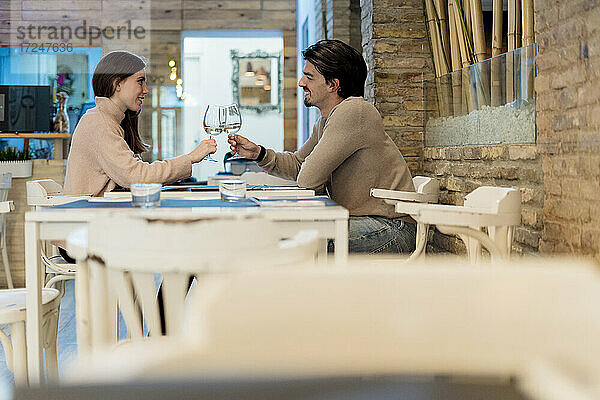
(129, 257)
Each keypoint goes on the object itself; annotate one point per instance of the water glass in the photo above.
(232, 189)
(145, 195)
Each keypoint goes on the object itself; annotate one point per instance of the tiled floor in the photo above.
(67, 341)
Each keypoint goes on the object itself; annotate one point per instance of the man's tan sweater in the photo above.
(100, 158)
(347, 154)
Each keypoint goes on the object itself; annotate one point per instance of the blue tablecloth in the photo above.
(215, 188)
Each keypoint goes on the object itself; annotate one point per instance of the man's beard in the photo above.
(307, 102)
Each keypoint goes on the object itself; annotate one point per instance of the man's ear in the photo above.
(334, 85)
(117, 85)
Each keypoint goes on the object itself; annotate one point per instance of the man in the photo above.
(348, 152)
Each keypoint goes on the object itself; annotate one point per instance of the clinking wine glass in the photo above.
(214, 123)
(233, 119)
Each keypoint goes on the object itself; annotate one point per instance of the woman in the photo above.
(106, 143)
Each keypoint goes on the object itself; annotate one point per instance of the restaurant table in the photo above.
(212, 191)
(55, 223)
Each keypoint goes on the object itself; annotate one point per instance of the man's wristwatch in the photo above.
(262, 153)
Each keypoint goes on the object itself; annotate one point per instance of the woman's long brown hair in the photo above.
(113, 68)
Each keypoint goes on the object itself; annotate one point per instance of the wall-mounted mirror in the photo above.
(256, 80)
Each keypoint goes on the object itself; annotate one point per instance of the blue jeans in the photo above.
(374, 234)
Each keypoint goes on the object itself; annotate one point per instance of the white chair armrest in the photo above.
(395, 195)
(7, 206)
(54, 200)
(439, 214)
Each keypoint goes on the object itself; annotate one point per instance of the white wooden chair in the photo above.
(45, 193)
(494, 209)
(541, 325)
(12, 312)
(427, 190)
(124, 253)
(5, 185)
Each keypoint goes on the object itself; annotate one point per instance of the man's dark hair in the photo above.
(334, 59)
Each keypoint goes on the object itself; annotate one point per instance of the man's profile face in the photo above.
(314, 85)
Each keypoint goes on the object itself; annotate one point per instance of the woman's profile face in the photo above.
(132, 90)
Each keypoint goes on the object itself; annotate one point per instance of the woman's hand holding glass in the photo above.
(206, 147)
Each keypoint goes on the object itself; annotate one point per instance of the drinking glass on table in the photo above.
(214, 123)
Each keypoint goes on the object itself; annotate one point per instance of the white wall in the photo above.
(207, 70)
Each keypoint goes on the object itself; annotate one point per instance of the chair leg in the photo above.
(50, 346)
(17, 333)
(421, 242)
(9, 280)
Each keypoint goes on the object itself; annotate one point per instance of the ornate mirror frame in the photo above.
(239, 62)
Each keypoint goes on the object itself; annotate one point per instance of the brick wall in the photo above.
(343, 21)
(568, 122)
(397, 50)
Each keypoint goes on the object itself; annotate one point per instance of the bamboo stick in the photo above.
(478, 30)
(528, 35)
(495, 62)
(454, 47)
(496, 85)
(455, 58)
(434, 36)
(438, 57)
(442, 12)
(512, 45)
(518, 24)
(527, 53)
(481, 71)
(469, 97)
(467, 17)
(497, 28)
(512, 21)
(462, 40)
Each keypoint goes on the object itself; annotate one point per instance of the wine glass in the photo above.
(233, 119)
(214, 123)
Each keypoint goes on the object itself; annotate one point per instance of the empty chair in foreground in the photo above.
(124, 254)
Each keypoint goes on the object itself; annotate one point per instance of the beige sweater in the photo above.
(347, 154)
(100, 158)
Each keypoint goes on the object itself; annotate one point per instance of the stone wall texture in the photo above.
(568, 123)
